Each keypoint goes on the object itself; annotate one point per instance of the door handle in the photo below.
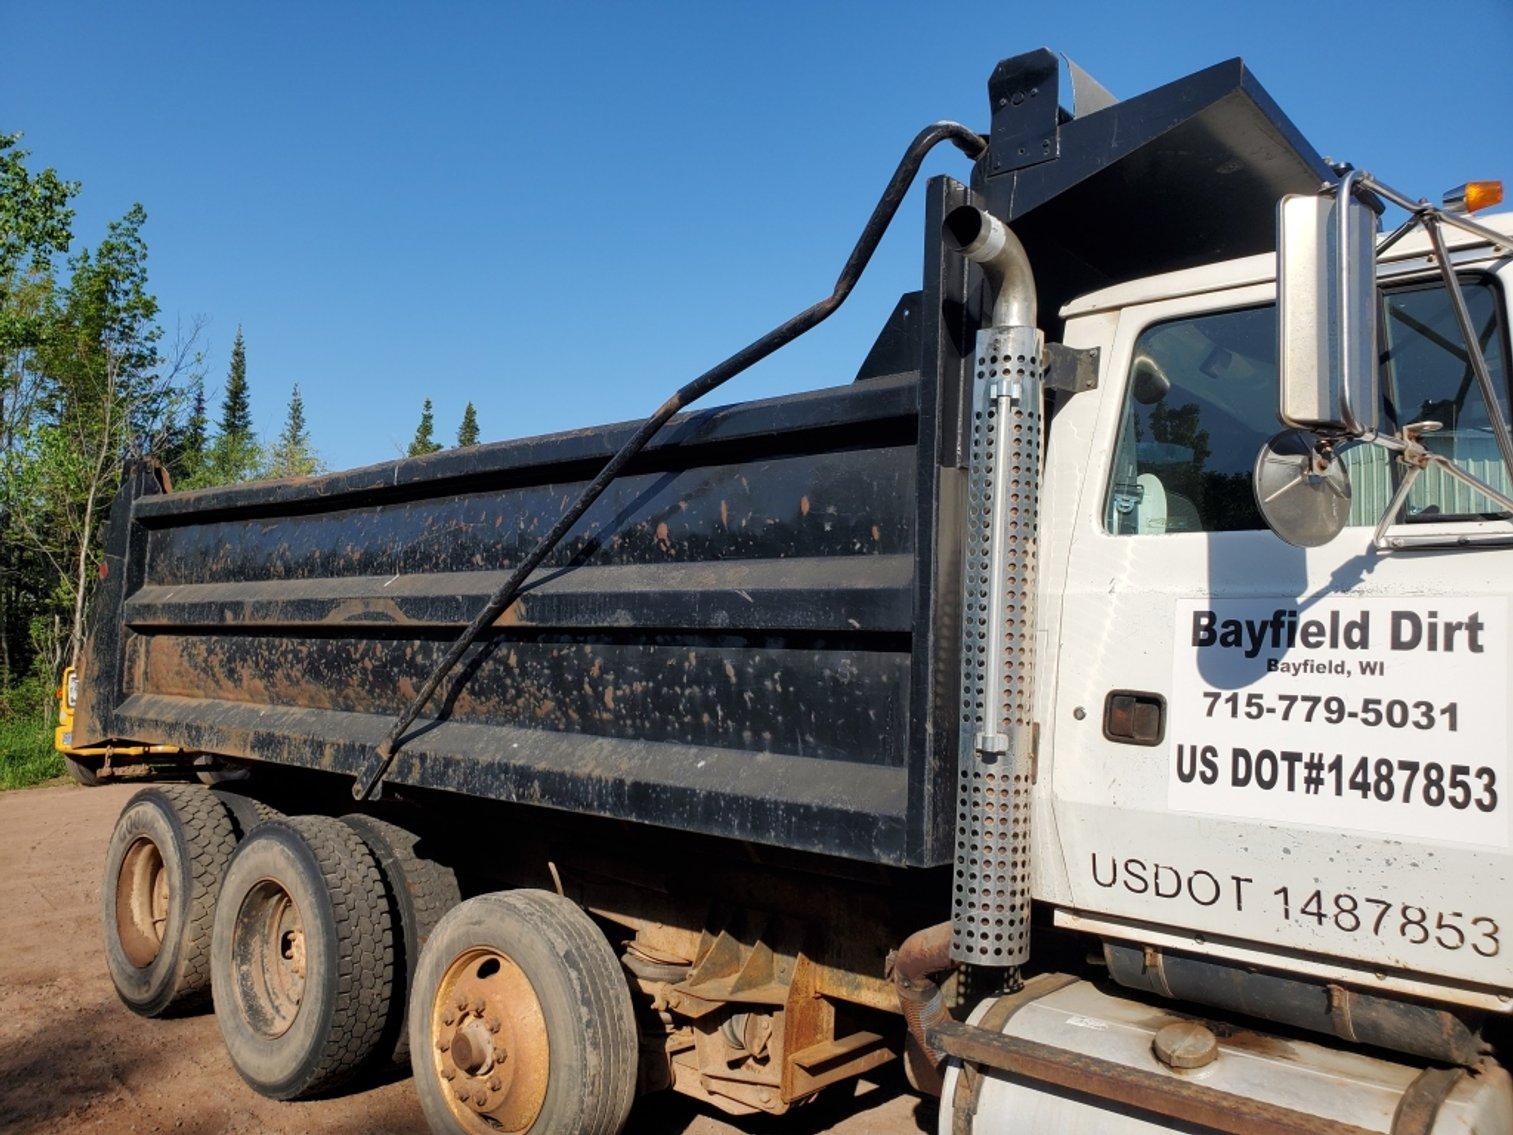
(1134, 717)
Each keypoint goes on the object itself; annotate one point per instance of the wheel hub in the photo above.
(268, 953)
(143, 894)
(490, 1044)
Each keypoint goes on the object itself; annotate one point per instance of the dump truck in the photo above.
(1098, 704)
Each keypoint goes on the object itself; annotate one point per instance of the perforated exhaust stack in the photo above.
(990, 921)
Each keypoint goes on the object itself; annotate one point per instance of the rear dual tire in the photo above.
(163, 870)
(420, 891)
(302, 957)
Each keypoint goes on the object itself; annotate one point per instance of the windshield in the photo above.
(1426, 375)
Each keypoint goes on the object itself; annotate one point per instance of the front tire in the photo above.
(302, 958)
(163, 868)
(521, 1021)
(82, 772)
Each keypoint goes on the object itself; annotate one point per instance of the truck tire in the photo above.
(246, 812)
(521, 1020)
(302, 959)
(211, 771)
(420, 891)
(82, 772)
(163, 868)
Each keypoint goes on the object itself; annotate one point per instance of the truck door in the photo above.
(1261, 750)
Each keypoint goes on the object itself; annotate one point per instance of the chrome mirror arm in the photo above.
(1408, 449)
(1411, 453)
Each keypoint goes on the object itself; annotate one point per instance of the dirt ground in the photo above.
(72, 1058)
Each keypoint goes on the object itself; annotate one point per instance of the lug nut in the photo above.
(479, 1006)
(448, 1074)
(443, 1045)
(462, 1004)
(462, 1094)
(447, 1018)
(495, 1084)
(493, 1024)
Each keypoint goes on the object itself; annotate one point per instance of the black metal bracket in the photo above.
(1071, 369)
(1024, 94)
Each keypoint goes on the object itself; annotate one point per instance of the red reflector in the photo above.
(103, 570)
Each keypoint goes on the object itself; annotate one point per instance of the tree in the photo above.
(236, 404)
(293, 455)
(86, 382)
(108, 397)
(36, 227)
(425, 440)
(194, 446)
(235, 454)
(467, 433)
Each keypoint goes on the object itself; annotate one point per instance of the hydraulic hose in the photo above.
(968, 141)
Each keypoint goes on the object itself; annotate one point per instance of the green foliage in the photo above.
(84, 385)
(467, 433)
(186, 450)
(230, 458)
(36, 225)
(35, 218)
(27, 755)
(87, 381)
(293, 455)
(236, 402)
(425, 433)
(235, 454)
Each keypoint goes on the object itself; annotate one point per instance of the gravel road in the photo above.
(72, 1058)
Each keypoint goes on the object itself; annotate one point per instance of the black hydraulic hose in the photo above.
(964, 139)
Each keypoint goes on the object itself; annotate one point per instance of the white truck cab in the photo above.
(1272, 780)
(1285, 756)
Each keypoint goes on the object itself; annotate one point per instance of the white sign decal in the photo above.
(1375, 715)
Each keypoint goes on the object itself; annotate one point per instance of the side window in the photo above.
(1201, 400)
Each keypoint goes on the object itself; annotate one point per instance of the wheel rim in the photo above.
(268, 958)
(142, 898)
(489, 1043)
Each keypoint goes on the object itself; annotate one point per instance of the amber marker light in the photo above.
(1473, 195)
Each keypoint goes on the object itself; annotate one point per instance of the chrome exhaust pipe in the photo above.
(983, 238)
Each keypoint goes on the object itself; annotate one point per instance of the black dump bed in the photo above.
(752, 634)
(736, 639)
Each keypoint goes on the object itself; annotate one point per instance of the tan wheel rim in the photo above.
(489, 1043)
(268, 958)
(142, 898)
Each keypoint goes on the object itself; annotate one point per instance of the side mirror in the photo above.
(1302, 489)
(1326, 300)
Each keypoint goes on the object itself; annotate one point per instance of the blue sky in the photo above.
(560, 211)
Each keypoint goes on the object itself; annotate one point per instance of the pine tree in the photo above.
(235, 455)
(292, 455)
(236, 404)
(197, 428)
(187, 450)
(425, 439)
(467, 433)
